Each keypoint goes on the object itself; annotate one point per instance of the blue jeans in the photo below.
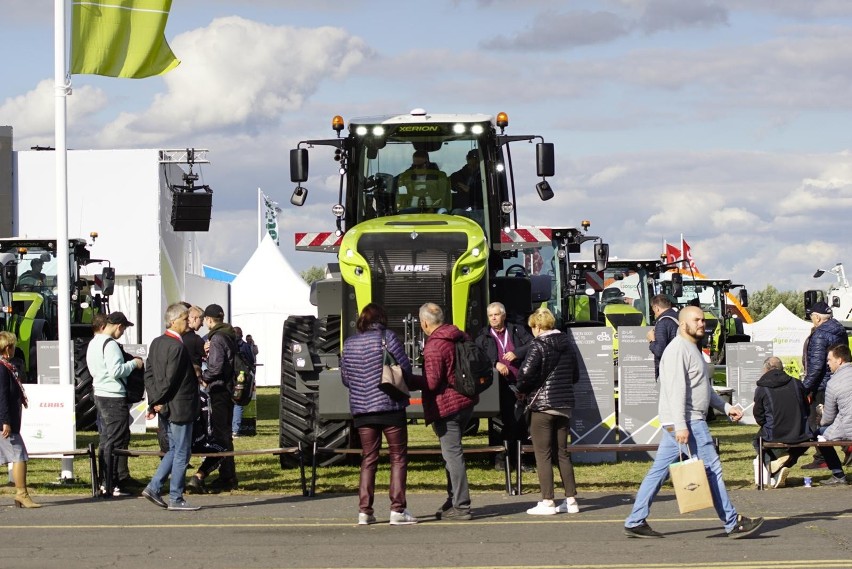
(237, 420)
(700, 443)
(449, 431)
(174, 462)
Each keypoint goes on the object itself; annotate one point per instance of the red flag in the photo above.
(687, 257)
(672, 254)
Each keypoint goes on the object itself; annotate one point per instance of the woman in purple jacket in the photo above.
(375, 412)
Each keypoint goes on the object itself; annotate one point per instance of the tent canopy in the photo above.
(265, 292)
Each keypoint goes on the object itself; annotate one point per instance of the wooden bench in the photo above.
(297, 450)
(88, 451)
(415, 451)
(761, 463)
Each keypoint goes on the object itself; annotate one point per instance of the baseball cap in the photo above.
(119, 318)
(821, 308)
(214, 311)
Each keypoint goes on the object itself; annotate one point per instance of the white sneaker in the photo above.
(403, 518)
(776, 464)
(567, 507)
(780, 479)
(366, 519)
(543, 508)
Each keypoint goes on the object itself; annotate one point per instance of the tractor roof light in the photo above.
(586, 224)
(337, 124)
(477, 129)
(502, 121)
(458, 128)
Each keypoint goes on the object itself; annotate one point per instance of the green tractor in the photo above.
(722, 324)
(29, 297)
(618, 296)
(425, 213)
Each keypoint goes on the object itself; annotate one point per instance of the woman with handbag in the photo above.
(12, 400)
(374, 411)
(547, 378)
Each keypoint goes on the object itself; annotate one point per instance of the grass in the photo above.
(263, 474)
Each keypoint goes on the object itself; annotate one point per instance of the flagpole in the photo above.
(682, 253)
(63, 276)
(260, 217)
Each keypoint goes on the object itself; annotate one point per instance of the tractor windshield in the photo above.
(37, 273)
(420, 174)
(707, 296)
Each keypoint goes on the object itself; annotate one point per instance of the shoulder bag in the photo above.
(392, 382)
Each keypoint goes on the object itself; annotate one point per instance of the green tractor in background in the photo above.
(29, 297)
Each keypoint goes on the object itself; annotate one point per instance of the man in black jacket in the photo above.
(218, 380)
(506, 345)
(665, 328)
(826, 333)
(780, 408)
(172, 388)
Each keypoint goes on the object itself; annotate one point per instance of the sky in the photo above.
(727, 121)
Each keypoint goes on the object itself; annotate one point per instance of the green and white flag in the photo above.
(269, 218)
(120, 38)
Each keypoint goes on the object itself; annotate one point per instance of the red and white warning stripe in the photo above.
(325, 241)
(524, 238)
(595, 281)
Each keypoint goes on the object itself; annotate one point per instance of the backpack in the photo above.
(243, 380)
(474, 370)
(134, 384)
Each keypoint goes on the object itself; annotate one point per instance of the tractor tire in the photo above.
(84, 393)
(299, 420)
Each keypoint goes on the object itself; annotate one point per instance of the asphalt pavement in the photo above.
(805, 527)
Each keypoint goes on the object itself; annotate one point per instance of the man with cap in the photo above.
(109, 371)
(218, 380)
(826, 333)
(466, 184)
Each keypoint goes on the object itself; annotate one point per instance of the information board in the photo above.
(638, 389)
(593, 417)
(744, 362)
(47, 423)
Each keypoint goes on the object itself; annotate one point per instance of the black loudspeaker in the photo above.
(191, 210)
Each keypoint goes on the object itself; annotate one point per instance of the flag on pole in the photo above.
(120, 38)
(270, 217)
(672, 254)
(687, 256)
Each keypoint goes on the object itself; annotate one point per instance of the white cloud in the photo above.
(237, 73)
(32, 114)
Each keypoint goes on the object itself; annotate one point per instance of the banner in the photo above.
(687, 256)
(672, 254)
(120, 38)
(270, 217)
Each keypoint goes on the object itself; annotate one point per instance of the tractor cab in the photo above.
(29, 295)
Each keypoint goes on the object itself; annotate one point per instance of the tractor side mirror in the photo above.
(677, 285)
(545, 164)
(744, 297)
(601, 256)
(108, 281)
(9, 276)
(299, 165)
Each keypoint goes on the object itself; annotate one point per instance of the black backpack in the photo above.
(474, 370)
(134, 384)
(243, 380)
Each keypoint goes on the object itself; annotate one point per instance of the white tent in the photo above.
(263, 295)
(784, 329)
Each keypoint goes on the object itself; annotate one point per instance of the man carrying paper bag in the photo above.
(686, 393)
